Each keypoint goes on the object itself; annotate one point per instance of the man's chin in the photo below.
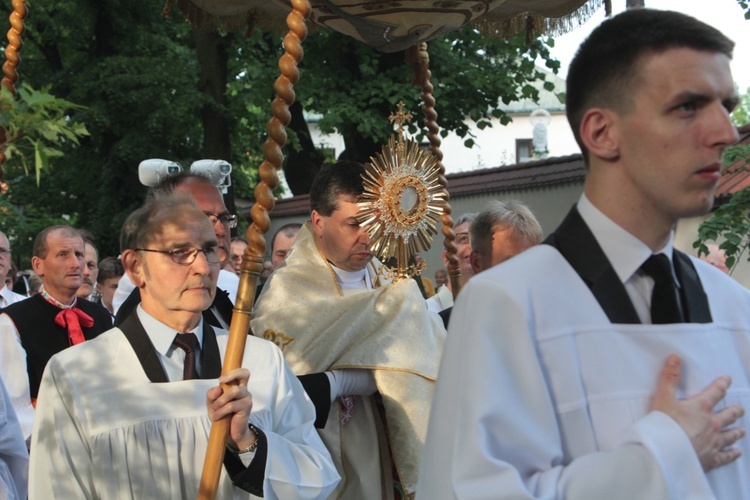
(358, 264)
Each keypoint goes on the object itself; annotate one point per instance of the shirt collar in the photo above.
(4, 293)
(352, 277)
(162, 335)
(624, 251)
(49, 298)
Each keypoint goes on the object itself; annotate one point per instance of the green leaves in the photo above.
(741, 114)
(745, 5)
(731, 221)
(37, 125)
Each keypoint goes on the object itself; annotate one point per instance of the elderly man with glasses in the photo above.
(209, 200)
(129, 416)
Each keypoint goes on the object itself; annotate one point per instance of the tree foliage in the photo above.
(471, 73)
(745, 5)
(730, 224)
(36, 127)
(741, 114)
(137, 86)
(133, 74)
(354, 88)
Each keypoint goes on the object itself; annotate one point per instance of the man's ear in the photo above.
(37, 265)
(476, 262)
(599, 133)
(133, 263)
(317, 223)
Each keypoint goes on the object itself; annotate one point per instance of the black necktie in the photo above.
(665, 299)
(188, 343)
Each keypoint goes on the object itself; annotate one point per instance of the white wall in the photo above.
(494, 146)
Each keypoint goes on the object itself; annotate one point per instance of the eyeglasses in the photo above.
(187, 255)
(462, 238)
(229, 220)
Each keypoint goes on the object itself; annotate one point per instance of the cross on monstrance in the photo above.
(400, 118)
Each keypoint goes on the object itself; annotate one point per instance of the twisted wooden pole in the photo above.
(252, 259)
(10, 75)
(420, 59)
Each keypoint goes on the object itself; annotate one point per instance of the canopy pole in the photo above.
(252, 259)
(10, 75)
(420, 59)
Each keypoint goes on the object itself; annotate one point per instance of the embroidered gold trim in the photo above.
(279, 339)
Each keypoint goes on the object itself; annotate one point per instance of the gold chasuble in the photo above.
(387, 330)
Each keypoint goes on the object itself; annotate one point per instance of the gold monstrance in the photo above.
(402, 201)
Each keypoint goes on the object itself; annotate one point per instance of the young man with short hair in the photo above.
(604, 363)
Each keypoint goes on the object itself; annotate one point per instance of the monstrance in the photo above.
(402, 202)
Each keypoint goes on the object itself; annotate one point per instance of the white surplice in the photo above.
(14, 458)
(103, 430)
(539, 395)
(8, 297)
(13, 370)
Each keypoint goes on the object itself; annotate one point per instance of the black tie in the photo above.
(665, 299)
(188, 342)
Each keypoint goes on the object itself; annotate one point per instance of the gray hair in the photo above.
(504, 215)
(469, 217)
(141, 226)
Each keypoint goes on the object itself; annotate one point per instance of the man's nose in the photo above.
(364, 237)
(201, 264)
(726, 132)
(219, 228)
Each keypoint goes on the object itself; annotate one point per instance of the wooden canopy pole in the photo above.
(10, 75)
(420, 59)
(252, 259)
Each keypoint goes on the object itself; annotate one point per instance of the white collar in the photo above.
(350, 279)
(624, 251)
(162, 335)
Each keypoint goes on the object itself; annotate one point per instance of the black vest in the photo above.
(42, 338)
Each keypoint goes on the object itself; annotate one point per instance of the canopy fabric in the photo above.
(392, 26)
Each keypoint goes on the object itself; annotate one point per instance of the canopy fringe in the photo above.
(533, 25)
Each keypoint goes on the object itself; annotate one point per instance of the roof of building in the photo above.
(535, 175)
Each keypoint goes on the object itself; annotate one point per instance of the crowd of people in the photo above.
(599, 362)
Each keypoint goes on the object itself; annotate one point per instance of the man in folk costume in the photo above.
(330, 311)
(128, 415)
(33, 330)
(576, 369)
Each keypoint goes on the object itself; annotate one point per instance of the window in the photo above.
(524, 150)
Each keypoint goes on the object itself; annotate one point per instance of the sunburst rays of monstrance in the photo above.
(402, 202)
